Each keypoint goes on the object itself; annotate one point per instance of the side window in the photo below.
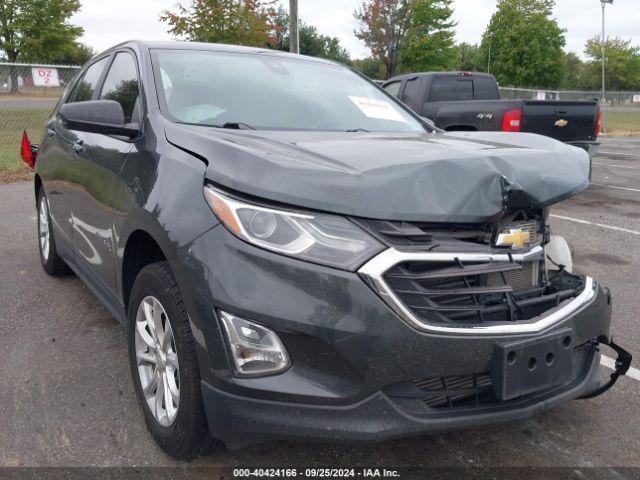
(411, 93)
(89, 81)
(485, 88)
(447, 88)
(393, 88)
(121, 84)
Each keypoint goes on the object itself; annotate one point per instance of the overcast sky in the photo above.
(109, 22)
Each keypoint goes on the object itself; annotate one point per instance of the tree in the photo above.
(36, 30)
(573, 77)
(383, 25)
(238, 22)
(429, 43)
(527, 44)
(468, 58)
(76, 54)
(371, 67)
(622, 64)
(312, 43)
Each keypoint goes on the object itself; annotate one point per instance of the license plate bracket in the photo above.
(528, 366)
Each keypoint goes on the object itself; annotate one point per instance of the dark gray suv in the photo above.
(296, 255)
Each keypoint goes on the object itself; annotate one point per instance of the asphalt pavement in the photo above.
(67, 398)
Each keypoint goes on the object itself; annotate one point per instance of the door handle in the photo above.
(78, 147)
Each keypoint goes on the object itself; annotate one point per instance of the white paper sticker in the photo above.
(374, 108)
(45, 77)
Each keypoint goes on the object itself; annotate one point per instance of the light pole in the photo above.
(490, 41)
(294, 35)
(604, 39)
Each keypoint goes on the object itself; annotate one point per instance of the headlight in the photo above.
(320, 238)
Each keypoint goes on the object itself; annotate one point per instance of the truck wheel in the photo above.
(164, 366)
(52, 263)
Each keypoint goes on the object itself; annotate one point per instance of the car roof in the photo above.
(214, 47)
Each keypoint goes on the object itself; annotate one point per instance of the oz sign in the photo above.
(45, 77)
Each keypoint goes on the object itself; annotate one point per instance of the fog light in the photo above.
(256, 350)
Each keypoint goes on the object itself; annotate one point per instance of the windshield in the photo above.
(272, 92)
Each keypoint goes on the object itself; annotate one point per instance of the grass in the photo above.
(14, 121)
(622, 123)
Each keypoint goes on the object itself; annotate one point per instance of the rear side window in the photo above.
(451, 89)
(411, 93)
(121, 84)
(485, 88)
(393, 88)
(87, 85)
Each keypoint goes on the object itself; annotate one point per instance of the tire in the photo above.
(52, 263)
(166, 356)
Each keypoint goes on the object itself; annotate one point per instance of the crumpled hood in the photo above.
(430, 177)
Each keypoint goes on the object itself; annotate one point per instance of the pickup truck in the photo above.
(465, 101)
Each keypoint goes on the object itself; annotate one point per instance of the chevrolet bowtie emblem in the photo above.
(562, 123)
(516, 238)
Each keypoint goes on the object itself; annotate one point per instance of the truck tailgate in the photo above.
(564, 121)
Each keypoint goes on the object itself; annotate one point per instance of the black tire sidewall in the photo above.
(152, 282)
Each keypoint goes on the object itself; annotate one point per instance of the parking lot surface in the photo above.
(67, 397)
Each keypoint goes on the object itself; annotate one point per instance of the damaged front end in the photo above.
(508, 277)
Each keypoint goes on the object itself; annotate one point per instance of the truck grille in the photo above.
(468, 293)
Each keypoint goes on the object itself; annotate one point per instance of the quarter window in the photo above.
(121, 84)
(393, 89)
(87, 85)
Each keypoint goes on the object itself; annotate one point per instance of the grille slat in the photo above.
(455, 271)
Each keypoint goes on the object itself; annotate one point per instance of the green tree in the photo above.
(77, 54)
(429, 43)
(383, 25)
(238, 22)
(312, 43)
(468, 58)
(573, 77)
(622, 63)
(526, 44)
(36, 31)
(371, 67)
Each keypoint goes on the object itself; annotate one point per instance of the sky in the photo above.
(107, 23)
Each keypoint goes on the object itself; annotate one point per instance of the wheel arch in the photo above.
(141, 249)
(37, 185)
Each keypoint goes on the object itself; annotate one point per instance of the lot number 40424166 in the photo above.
(45, 77)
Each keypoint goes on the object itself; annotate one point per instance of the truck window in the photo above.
(451, 89)
(393, 89)
(485, 88)
(411, 93)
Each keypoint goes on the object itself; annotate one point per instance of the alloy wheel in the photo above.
(45, 244)
(157, 361)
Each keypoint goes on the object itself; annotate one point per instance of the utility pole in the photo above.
(604, 39)
(294, 34)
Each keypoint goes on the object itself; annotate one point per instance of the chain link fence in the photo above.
(28, 95)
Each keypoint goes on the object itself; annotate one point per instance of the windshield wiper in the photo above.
(235, 126)
(358, 130)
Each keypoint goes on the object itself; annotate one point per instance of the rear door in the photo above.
(98, 162)
(564, 121)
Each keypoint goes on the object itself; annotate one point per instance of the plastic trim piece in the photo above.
(375, 269)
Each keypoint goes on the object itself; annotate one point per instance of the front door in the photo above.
(98, 160)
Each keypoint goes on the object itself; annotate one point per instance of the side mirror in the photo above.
(97, 116)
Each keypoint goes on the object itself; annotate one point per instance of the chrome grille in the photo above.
(529, 226)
